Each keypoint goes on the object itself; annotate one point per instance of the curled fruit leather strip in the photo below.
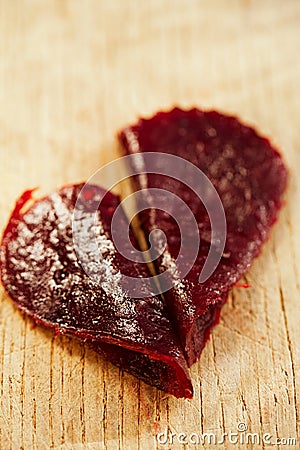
(43, 275)
(249, 176)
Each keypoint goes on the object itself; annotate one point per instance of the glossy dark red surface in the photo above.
(249, 176)
(41, 273)
(145, 336)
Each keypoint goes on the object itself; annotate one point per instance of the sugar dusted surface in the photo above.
(41, 272)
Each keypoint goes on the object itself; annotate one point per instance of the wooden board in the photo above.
(71, 74)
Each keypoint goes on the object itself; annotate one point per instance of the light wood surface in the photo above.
(71, 74)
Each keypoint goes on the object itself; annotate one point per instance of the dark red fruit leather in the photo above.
(41, 273)
(249, 176)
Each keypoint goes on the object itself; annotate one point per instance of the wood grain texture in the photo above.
(71, 74)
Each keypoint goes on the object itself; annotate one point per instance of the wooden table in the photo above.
(71, 74)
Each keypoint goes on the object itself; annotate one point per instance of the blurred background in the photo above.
(73, 73)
